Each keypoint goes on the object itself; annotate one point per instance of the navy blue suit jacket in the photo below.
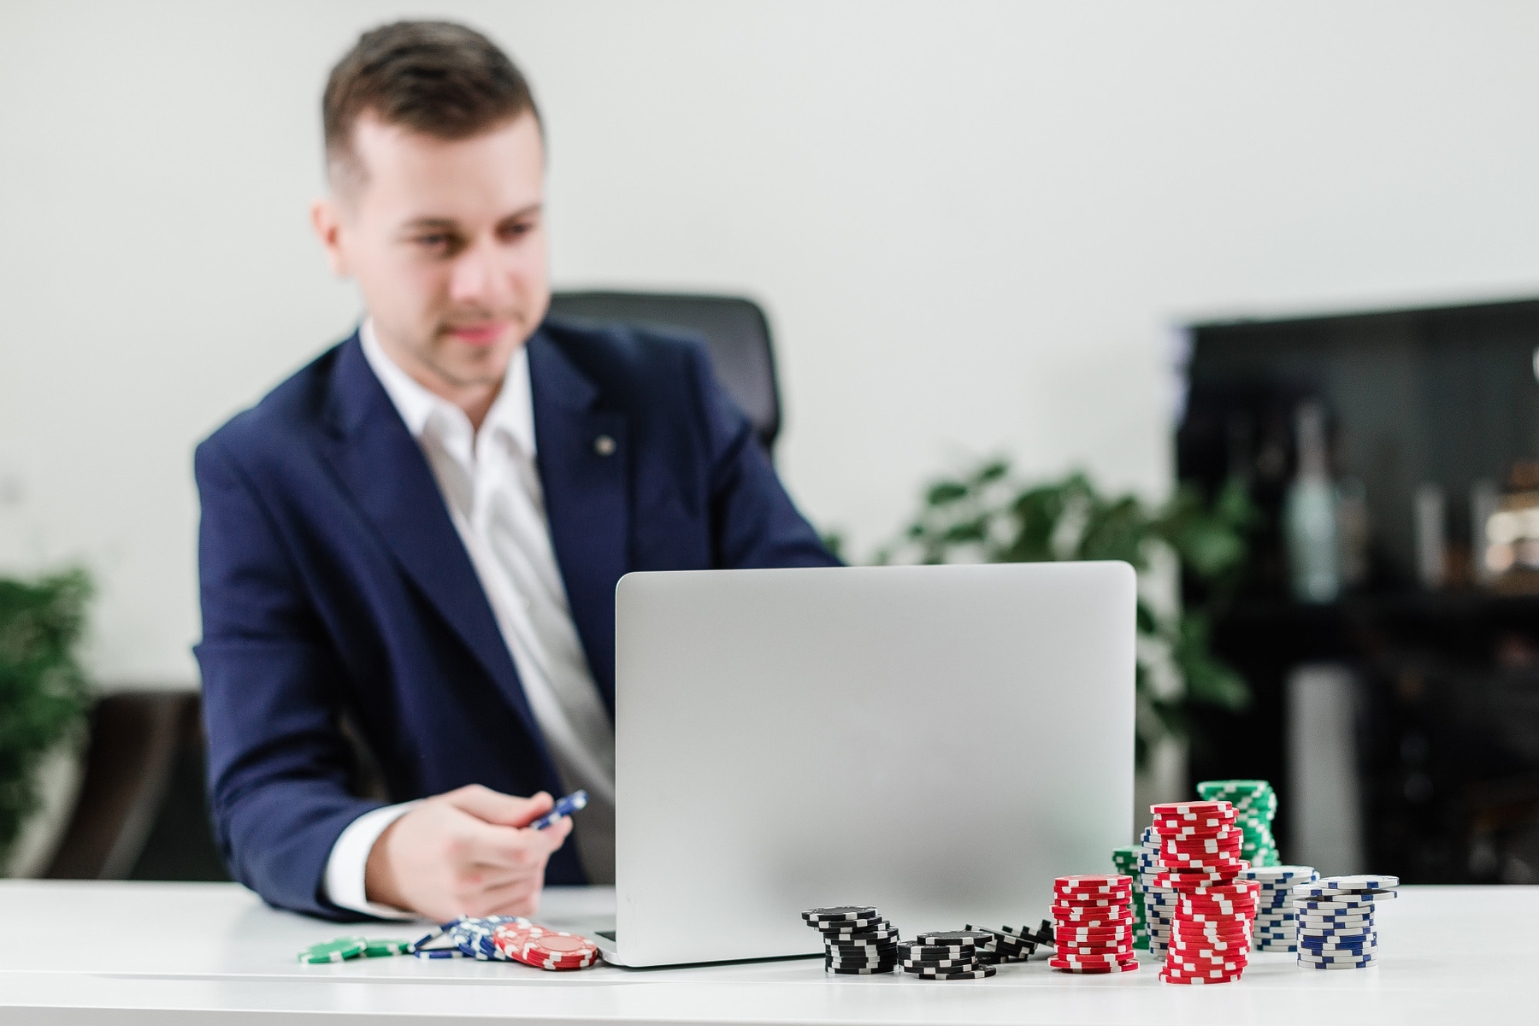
(333, 580)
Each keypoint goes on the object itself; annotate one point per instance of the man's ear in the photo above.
(326, 219)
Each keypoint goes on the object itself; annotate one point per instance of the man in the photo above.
(420, 533)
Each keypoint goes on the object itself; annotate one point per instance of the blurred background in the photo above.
(1262, 272)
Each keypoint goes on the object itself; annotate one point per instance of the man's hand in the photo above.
(463, 853)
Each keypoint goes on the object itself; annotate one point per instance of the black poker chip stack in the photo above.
(857, 941)
(950, 955)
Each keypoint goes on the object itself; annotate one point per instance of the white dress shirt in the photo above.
(491, 485)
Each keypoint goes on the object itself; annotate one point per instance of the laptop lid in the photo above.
(939, 741)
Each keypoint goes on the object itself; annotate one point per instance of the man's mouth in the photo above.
(480, 334)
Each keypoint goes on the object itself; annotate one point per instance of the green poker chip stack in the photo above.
(1125, 860)
(1255, 805)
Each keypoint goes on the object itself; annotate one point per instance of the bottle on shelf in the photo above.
(1309, 513)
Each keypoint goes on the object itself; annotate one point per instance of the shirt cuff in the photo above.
(348, 864)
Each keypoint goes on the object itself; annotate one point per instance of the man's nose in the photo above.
(479, 275)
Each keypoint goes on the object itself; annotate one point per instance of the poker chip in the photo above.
(843, 971)
(385, 948)
(338, 950)
(1172, 974)
(913, 949)
(946, 938)
(1342, 903)
(840, 914)
(1123, 966)
(1092, 883)
(982, 972)
(938, 963)
(1109, 915)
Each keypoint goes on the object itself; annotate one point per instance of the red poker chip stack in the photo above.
(1093, 924)
(1211, 921)
(543, 948)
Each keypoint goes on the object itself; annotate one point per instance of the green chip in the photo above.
(385, 948)
(338, 950)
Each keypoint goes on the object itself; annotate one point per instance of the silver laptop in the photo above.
(939, 741)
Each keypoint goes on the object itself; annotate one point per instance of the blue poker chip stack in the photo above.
(1336, 929)
(1159, 902)
(1275, 927)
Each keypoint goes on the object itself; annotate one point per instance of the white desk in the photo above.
(213, 953)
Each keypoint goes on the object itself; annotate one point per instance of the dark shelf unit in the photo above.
(1447, 690)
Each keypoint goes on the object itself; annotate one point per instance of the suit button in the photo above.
(604, 445)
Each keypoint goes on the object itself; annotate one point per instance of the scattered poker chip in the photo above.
(385, 948)
(338, 950)
(982, 972)
(839, 914)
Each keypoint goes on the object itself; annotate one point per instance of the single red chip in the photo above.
(1126, 966)
(1075, 913)
(1167, 976)
(1070, 932)
(1201, 846)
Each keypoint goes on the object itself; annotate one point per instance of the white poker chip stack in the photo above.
(1275, 926)
(1159, 902)
(1336, 928)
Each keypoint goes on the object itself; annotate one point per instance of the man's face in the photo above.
(447, 243)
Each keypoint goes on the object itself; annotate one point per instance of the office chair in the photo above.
(735, 332)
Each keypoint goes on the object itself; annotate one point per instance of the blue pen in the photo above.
(563, 807)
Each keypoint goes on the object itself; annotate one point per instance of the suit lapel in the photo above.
(584, 460)
(383, 467)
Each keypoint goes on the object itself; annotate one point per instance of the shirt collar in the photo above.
(512, 411)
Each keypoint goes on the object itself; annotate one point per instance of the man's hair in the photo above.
(434, 77)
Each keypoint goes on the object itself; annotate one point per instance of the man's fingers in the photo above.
(496, 807)
(501, 847)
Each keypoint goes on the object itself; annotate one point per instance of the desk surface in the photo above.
(208, 953)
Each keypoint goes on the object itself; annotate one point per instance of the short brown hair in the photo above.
(432, 77)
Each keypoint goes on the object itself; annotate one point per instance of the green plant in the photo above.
(43, 691)
(987, 516)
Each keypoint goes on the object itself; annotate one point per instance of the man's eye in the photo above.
(520, 228)
(432, 241)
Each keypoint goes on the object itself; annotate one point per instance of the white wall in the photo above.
(972, 224)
